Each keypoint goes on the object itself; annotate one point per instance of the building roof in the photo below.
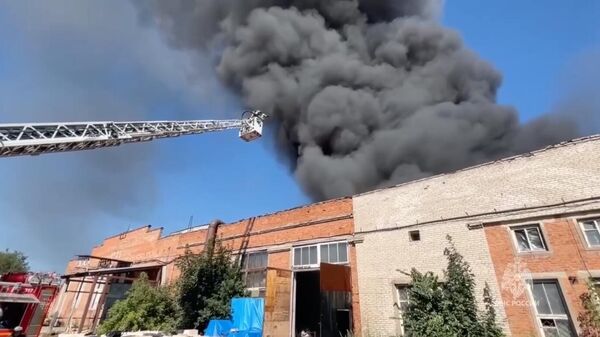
(100, 258)
(563, 174)
(108, 271)
(576, 141)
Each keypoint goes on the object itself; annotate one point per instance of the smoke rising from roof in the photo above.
(365, 94)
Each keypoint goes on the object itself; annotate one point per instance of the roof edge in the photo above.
(574, 141)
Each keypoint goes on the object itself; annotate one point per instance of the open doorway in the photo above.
(308, 303)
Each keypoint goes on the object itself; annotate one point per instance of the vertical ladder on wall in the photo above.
(246, 237)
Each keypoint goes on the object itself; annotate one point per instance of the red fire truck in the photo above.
(25, 299)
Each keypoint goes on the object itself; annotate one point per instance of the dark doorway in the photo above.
(336, 300)
(308, 302)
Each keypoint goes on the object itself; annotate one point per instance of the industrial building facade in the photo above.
(296, 259)
(529, 226)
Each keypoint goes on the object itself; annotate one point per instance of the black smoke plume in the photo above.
(364, 93)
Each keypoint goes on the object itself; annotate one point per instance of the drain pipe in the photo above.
(211, 236)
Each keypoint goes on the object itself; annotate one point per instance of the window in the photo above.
(402, 294)
(596, 284)
(254, 269)
(311, 256)
(13, 314)
(414, 236)
(591, 230)
(334, 253)
(529, 238)
(551, 310)
(401, 304)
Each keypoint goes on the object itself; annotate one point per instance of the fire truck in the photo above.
(25, 299)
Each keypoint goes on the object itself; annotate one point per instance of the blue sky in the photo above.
(90, 60)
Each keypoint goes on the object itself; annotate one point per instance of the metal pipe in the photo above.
(211, 236)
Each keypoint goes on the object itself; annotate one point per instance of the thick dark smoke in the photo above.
(364, 94)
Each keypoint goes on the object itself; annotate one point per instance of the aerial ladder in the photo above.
(40, 138)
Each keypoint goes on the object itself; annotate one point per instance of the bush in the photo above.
(589, 317)
(425, 314)
(145, 308)
(207, 284)
(449, 309)
(488, 319)
(459, 294)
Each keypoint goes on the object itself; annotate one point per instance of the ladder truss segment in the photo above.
(39, 138)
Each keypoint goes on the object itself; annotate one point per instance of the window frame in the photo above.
(596, 283)
(245, 270)
(414, 236)
(539, 317)
(398, 306)
(596, 222)
(319, 257)
(525, 227)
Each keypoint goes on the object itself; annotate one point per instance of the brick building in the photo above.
(527, 226)
(290, 258)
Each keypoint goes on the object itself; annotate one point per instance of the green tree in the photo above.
(13, 262)
(589, 317)
(449, 309)
(425, 314)
(207, 284)
(146, 307)
(459, 294)
(488, 319)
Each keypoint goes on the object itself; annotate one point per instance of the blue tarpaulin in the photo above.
(248, 316)
(218, 328)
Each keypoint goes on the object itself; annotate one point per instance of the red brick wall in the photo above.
(317, 221)
(280, 260)
(567, 257)
(279, 228)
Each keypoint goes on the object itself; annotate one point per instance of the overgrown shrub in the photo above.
(146, 307)
(207, 284)
(449, 309)
(426, 315)
(488, 319)
(589, 318)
